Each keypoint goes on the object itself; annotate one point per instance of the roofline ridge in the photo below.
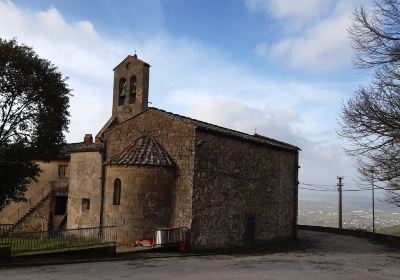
(128, 56)
(124, 121)
(225, 128)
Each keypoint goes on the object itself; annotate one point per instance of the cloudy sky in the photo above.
(282, 67)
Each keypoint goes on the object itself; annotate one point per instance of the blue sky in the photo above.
(281, 66)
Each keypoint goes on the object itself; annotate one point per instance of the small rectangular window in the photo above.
(85, 204)
(63, 171)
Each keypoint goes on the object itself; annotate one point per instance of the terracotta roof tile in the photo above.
(65, 152)
(144, 150)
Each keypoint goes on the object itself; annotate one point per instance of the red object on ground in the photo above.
(144, 242)
(182, 247)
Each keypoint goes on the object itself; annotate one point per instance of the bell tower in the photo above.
(131, 88)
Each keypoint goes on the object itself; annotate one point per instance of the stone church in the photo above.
(148, 169)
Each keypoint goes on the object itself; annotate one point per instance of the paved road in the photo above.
(327, 256)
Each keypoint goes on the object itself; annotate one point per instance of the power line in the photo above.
(324, 190)
(340, 189)
(316, 189)
(363, 188)
(316, 185)
(359, 188)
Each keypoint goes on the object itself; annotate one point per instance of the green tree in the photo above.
(370, 120)
(34, 102)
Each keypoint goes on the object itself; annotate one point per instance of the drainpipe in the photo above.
(296, 198)
(103, 180)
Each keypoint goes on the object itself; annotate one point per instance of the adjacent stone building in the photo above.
(150, 169)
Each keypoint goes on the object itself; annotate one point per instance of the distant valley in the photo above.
(356, 214)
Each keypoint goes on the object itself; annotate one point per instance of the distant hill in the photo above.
(353, 203)
(357, 214)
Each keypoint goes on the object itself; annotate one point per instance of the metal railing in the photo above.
(34, 200)
(60, 186)
(170, 236)
(5, 229)
(64, 239)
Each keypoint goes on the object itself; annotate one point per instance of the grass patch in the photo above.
(392, 230)
(31, 244)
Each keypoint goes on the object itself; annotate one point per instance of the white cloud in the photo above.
(239, 116)
(49, 24)
(79, 52)
(300, 10)
(187, 77)
(316, 155)
(322, 47)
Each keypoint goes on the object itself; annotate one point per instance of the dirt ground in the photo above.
(319, 256)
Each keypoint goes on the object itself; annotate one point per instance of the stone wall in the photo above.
(235, 181)
(39, 220)
(85, 183)
(131, 67)
(178, 139)
(49, 174)
(145, 200)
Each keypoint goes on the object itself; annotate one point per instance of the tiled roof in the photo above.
(144, 150)
(133, 56)
(256, 138)
(79, 147)
(84, 147)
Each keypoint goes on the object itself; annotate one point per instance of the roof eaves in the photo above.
(120, 123)
(143, 150)
(129, 56)
(250, 139)
(233, 133)
(260, 139)
(84, 147)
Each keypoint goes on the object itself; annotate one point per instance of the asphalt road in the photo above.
(321, 256)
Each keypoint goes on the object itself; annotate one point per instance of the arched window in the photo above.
(122, 91)
(117, 192)
(132, 90)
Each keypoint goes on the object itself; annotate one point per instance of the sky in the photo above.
(282, 68)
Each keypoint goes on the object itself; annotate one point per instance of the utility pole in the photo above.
(340, 185)
(373, 200)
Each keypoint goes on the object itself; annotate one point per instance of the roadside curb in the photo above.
(392, 241)
(89, 260)
(45, 261)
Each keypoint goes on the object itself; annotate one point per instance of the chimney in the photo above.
(88, 138)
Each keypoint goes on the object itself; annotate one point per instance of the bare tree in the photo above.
(370, 120)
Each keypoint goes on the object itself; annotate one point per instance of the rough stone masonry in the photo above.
(150, 169)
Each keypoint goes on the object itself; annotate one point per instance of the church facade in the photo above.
(148, 169)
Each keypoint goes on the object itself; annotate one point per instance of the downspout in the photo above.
(296, 198)
(103, 181)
